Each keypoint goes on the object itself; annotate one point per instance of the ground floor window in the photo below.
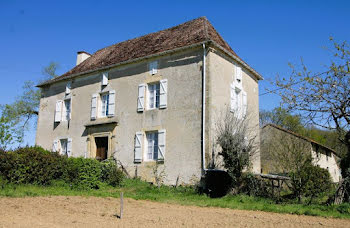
(152, 146)
(64, 147)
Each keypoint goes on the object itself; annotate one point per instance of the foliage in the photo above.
(318, 181)
(283, 118)
(84, 173)
(34, 165)
(254, 186)
(111, 174)
(237, 146)
(31, 165)
(323, 98)
(8, 134)
(26, 106)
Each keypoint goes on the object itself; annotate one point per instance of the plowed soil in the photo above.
(61, 211)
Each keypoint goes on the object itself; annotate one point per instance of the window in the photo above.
(67, 110)
(156, 95)
(64, 148)
(153, 67)
(153, 96)
(68, 87)
(104, 105)
(152, 146)
(63, 110)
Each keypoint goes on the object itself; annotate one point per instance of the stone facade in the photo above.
(182, 118)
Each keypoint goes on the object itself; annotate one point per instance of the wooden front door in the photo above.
(101, 148)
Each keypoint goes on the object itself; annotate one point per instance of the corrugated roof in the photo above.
(186, 34)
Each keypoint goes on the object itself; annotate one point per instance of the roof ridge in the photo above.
(142, 36)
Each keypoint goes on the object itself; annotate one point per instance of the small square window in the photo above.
(152, 146)
(153, 96)
(153, 67)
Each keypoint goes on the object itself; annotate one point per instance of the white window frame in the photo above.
(64, 146)
(151, 148)
(67, 112)
(103, 105)
(155, 89)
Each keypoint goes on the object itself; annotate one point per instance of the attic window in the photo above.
(153, 67)
(68, 87)
(104, 78)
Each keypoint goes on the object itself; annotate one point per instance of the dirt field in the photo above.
(63, 211)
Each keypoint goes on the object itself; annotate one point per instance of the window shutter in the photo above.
(141, 98)
(58, 111)
(238, 73)
(111, 103)
(94, 106)
(233, 98)
(55, 146)
(163, 90)
(153, 67)
(245, 104)
(138, 147)
(69, 147)
(105, 78)
(68, 87)
(161, 144)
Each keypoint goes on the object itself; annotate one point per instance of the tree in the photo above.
(26, 106)
(281, 117)
(322, 99)
(237, 143)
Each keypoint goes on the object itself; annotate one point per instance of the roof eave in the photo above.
(256, 74)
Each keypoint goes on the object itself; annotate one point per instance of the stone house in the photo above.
(322, 156)
(149, 100)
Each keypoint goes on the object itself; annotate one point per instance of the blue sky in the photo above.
(266, 34)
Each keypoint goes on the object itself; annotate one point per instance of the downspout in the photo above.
(203, 109)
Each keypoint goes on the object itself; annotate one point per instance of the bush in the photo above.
(111, 174)
(83, 173)
(252, 185)
(319, 181)
(32, 165)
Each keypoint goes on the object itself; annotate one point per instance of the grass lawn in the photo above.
(139, 190)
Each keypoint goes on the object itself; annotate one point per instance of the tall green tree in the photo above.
(25, 107)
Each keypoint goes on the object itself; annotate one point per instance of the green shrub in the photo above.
(32, 165)
(319, 181)
(111, 174)
(83, 173)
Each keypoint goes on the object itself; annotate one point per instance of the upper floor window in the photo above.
(67, 109)
(153, 67)
(104, 105)
(104, 81)
(63, 110)
(153, 96)
(68, 87)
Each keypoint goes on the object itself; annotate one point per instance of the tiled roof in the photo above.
(300, 136)
(186, 34)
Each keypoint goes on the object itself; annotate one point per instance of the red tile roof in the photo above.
(189, 33)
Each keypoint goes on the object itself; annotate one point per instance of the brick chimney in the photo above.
(81, 56)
